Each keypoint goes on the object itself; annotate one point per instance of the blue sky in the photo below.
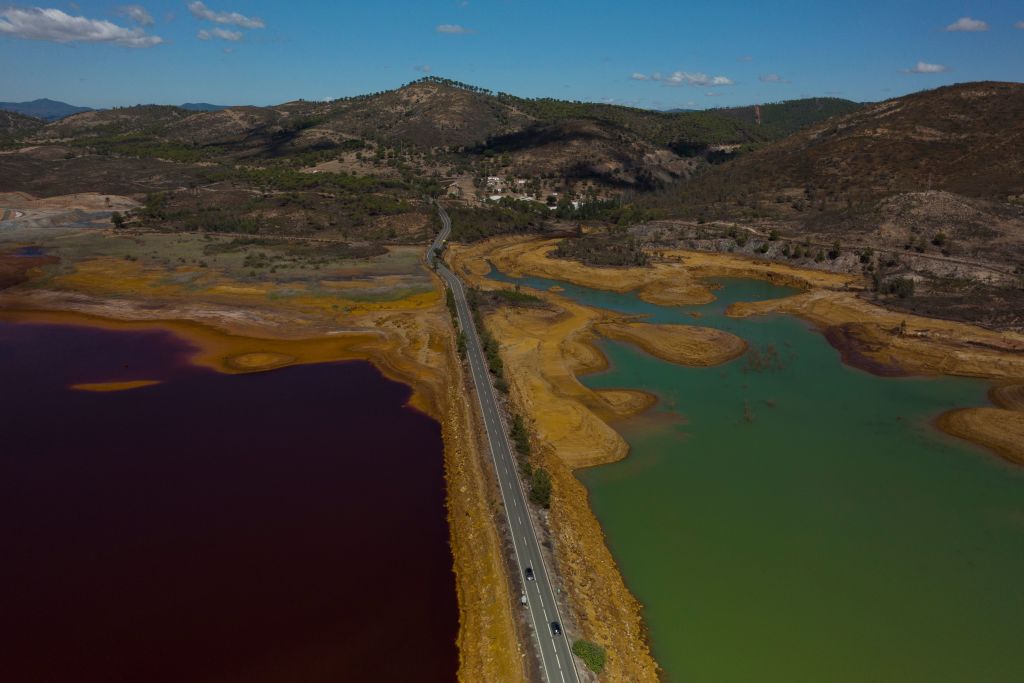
(657, 54)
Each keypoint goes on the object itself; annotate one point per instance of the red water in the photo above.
(280, 526)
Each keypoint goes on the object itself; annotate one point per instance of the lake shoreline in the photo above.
(407, 346)
(549, 348)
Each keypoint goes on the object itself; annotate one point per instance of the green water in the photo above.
(806, 523)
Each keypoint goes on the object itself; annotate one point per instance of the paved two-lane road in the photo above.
(556, 656)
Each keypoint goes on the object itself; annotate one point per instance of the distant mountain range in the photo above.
(47, 110)
(52, 110)
(204, 106)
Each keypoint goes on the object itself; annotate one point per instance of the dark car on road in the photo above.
(529, 574)
(556, 628)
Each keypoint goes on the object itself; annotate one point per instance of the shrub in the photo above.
(592, 654)
(516, 298)
(519, 435)
(460, 344)
(540, 487)
(902, 287)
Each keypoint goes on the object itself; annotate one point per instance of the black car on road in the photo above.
(529, 574)
(556, 628)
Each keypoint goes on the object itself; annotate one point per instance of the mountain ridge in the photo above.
(44, 109)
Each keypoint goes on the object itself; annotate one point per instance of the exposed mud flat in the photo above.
(102, 387)
(902, 342)
(1009, 396)
(997, 429)
(682, 344)
(1001, 429)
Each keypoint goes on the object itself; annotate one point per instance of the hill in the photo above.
(14, 125)
(966, 139)
(146, 119)
(47, 110)
(434, 124)
(780, 119)
(928, 187)
(204, 106)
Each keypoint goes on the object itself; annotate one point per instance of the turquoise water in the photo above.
(794, 519)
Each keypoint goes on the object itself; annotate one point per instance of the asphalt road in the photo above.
(557, 662)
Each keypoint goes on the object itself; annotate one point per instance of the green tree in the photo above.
(117, 219)
(519, 435)
(540, 487)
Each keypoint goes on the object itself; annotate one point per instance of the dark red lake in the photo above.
(280, 526)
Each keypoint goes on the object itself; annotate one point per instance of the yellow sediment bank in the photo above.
(104, 387)
(917, 345)
(867, 335)
(489, 646)
(998, 429)
(677, 278)
(409, 340)
(1009, 396)
(683, 344)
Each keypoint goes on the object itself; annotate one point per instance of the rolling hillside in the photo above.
(927, 187)
(965, 139)
(454, 124)
(14, 125)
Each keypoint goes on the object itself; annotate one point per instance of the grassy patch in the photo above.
(592, 654)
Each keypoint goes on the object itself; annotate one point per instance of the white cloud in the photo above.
(698, 79)
(926, 68)
(677, 78)
(1020, 25)
(58, 27)
(712, 93)
(422, 68)
(201, 11)
(772, 78)
(454, 28)
(222, 33)
(967, 24)
(138, 14)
